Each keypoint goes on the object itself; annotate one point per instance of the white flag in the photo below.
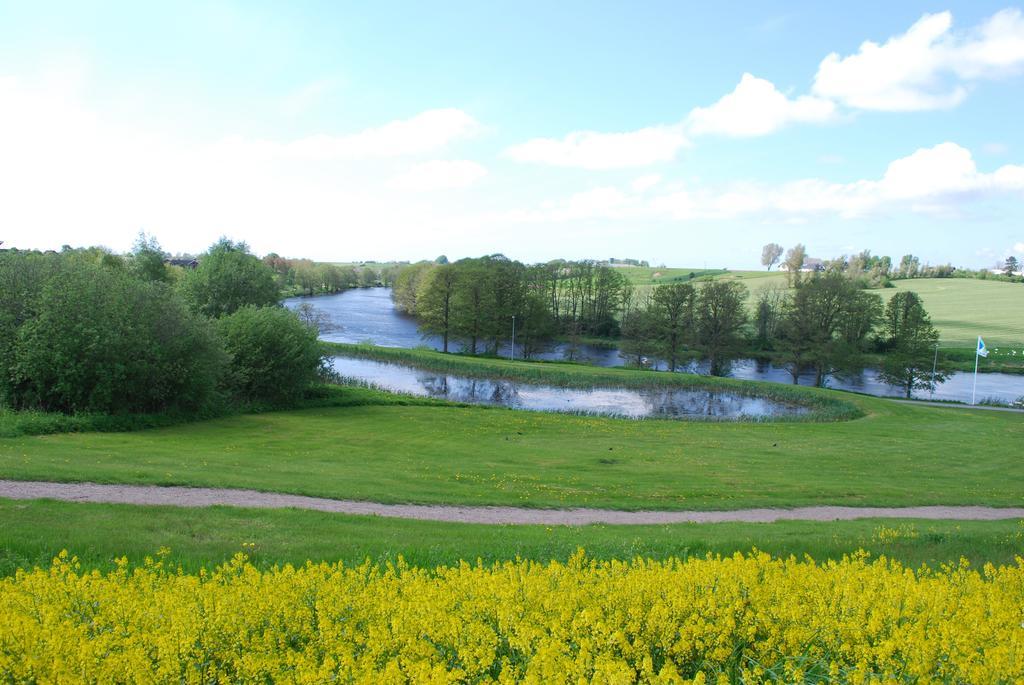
(982, 350)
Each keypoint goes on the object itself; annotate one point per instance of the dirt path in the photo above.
(208, 497)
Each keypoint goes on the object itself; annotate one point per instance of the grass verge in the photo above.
(33, 532)
(15, 424)
(898, 454)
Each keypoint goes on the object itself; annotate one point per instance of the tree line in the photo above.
(874, 271)
(473, 301)
(826, 324)
(306, 277)
(91, 331)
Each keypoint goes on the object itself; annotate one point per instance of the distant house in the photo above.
(183, 263)
(811, 265)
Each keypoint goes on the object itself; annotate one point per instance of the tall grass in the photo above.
(823, 404)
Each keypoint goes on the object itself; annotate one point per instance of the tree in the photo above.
(228, 278)
(275, 357)
(826, 324)
(99, 339)
(471, 293)
(768, 314)
(312, 317)
(367, 277)
(534, 325)
(909, 266)
(406, 286)
(673, 310)
(795, 259)
(434, 302)
(770, 254)
(1011, 266)
(720, 317)
(639, 345)
(148, 259)
(911, 345)
(504, 293)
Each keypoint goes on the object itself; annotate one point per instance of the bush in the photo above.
(228, 277)
(274, 356)
(99, 340)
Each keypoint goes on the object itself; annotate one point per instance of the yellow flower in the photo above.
(741, 618)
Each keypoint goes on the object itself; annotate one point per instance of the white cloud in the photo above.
(928, 67)
(936, 180)
(593, 150)
(945, 170)
(439, 175)
(1018, 248)
(756, 108)
(930, 180)
(645, 183)
(423, 133)
(72, 174)
(993, 49)
(597, 203)
(925, 67)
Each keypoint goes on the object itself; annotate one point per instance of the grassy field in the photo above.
(362, 444)
(961, 308)
(964, 308)
(32, 533)
(643, 276)
(895, 455)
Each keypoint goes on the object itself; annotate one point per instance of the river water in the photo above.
(369, 315)
(624, 402)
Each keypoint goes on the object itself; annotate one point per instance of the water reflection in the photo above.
(369, 315)
(628, 402)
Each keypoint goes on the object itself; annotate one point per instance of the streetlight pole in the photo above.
(512, 354)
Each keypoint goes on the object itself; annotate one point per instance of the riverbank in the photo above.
(369, 316)
(824, 406)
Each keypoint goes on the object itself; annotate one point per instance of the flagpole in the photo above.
(977, 350)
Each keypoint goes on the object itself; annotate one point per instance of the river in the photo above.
(663, 403)
(369, 315)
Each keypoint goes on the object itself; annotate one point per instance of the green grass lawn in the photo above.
(961, 308)
(964, 308)
(32, 533)
(896, 455)
(643, 276)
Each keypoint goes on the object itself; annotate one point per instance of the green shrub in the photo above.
(100, 340)
(228, 277)
(274, 356)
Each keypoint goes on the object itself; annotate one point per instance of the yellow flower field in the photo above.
(736, 619)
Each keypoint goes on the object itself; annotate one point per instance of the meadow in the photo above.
(896, 454)
(200, 594)
(960, 308)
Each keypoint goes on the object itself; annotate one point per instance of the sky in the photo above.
(682, 133)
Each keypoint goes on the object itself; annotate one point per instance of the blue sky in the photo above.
(680, 133)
